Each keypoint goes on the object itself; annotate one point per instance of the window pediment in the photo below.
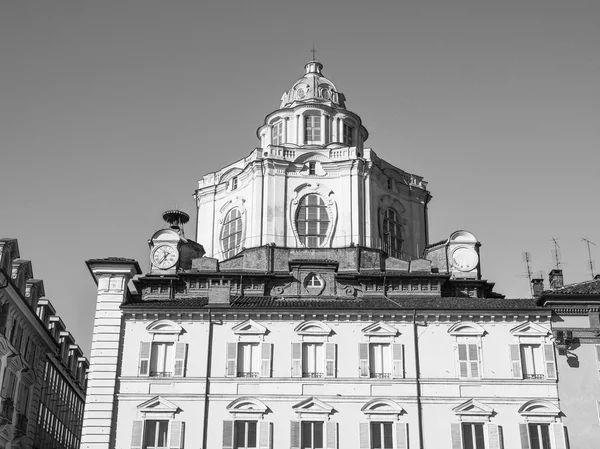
(472, 407)
(249, 327)
(313, 328)
(529, 329)
(312, 406)
(382, 406)
(247, 406)
(380, 329)
(538, 407)
(466, 328)
(164, 327)
(158, 405)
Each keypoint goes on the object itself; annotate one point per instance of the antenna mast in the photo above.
(527, 259)
(588, 242)
(556, 253)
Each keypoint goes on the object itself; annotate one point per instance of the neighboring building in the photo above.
(42, 370)
(314, 313)
(576, 325)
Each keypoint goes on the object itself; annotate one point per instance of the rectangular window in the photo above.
(312, 360)
(161, 360)
(379, 360)
(312, 168)
(381, 435)
(248, 364)
(348, 135)
(245, 434)
(277, 133)
(155, 434)
(473, 436)
(539, 436)
(312, 435)
(234, 183)
(312, 129)
(532, 361)
(468, 360)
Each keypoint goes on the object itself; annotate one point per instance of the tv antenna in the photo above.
(588, 243)
(556, 253)
(527, 260)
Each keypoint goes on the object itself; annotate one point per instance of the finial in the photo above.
(313, 52)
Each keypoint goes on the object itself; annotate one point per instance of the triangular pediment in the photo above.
(158, 404)
(312, 405)
(249, 327)
(530, 329)
(380, 328)
(15, 363)
(473, 407)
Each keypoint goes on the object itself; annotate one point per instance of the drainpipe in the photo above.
(417, 380)
(207, 383)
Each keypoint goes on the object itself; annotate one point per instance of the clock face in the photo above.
(465, 259)
(165, 256)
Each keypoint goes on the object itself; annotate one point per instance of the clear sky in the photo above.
(111, 110)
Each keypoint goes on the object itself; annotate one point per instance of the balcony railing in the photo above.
(381, 375)
(22, 422)
(7, 409)
(161, 374)
(314, 375)
(535, 376)
(247, 374)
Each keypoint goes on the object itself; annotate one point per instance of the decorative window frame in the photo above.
(380, 332)
(468, 332)
(248, 408)
(383, 333)
(250, 331)
(327, 196)
(388, 202)
(473, 411)
(382, 409)
(527, 331)
(539, 411)
(158, 408)
(313, 409)
(313, 331)
(316, 290)
(236, 203)
(164, 331)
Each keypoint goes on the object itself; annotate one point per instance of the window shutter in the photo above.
(462, 361)
(559, 435)
(550, 363)
(524, 432)
(331, 428)
(137, 434)
(180, 354)
(515, 360)
(5, 381)
(401, 435)
(227, 434)
(295, 433)
(297, 361)
(265, 359)
(474, 360)
(19, 400)
(232, 359)
(493, 431)
(266, 440)
(144, 358)
(455, 430)
(398, 372)
(363, 360)
(177, 431)
(329, 359)
(363, 430)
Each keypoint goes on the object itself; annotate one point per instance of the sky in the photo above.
(110, 111)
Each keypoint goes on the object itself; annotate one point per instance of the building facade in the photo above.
(313, 312)
(42, 370)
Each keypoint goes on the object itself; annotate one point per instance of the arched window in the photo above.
(392, 233)
(231, 234)
(312, 221)
(277, 133)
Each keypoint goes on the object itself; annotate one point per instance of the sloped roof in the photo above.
(591, 287)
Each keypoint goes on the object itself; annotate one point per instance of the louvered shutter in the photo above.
(137, 434)
(401, 435)
(493, 431)
(515, 360)
(294, 434)
(463, 370)
(177, 431)
(329, 359)
(550, 363)
(456, 436)
(363, 360)
(227, 434)
(331, 433)
(265, 435)
(364, 434)
(265, 359)
(232, 359)
(297, 361)
(559, 435)
(398, 371)
(474, 360)
(524, 433)
(180, 356)
(144, 358)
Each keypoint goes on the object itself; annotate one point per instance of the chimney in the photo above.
(537, 287)
(556, 279)
(218, 295)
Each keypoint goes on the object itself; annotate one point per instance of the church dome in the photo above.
(313, 88)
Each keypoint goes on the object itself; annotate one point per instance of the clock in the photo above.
(464, 258)
(164, 256)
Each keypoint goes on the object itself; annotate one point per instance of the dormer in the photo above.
(82, 366)
(44, 311)
(34, 290)
(9, 251)
(21, 273)
(66, 340)
(56, 326)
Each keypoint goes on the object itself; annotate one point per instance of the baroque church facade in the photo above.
(313, 312)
